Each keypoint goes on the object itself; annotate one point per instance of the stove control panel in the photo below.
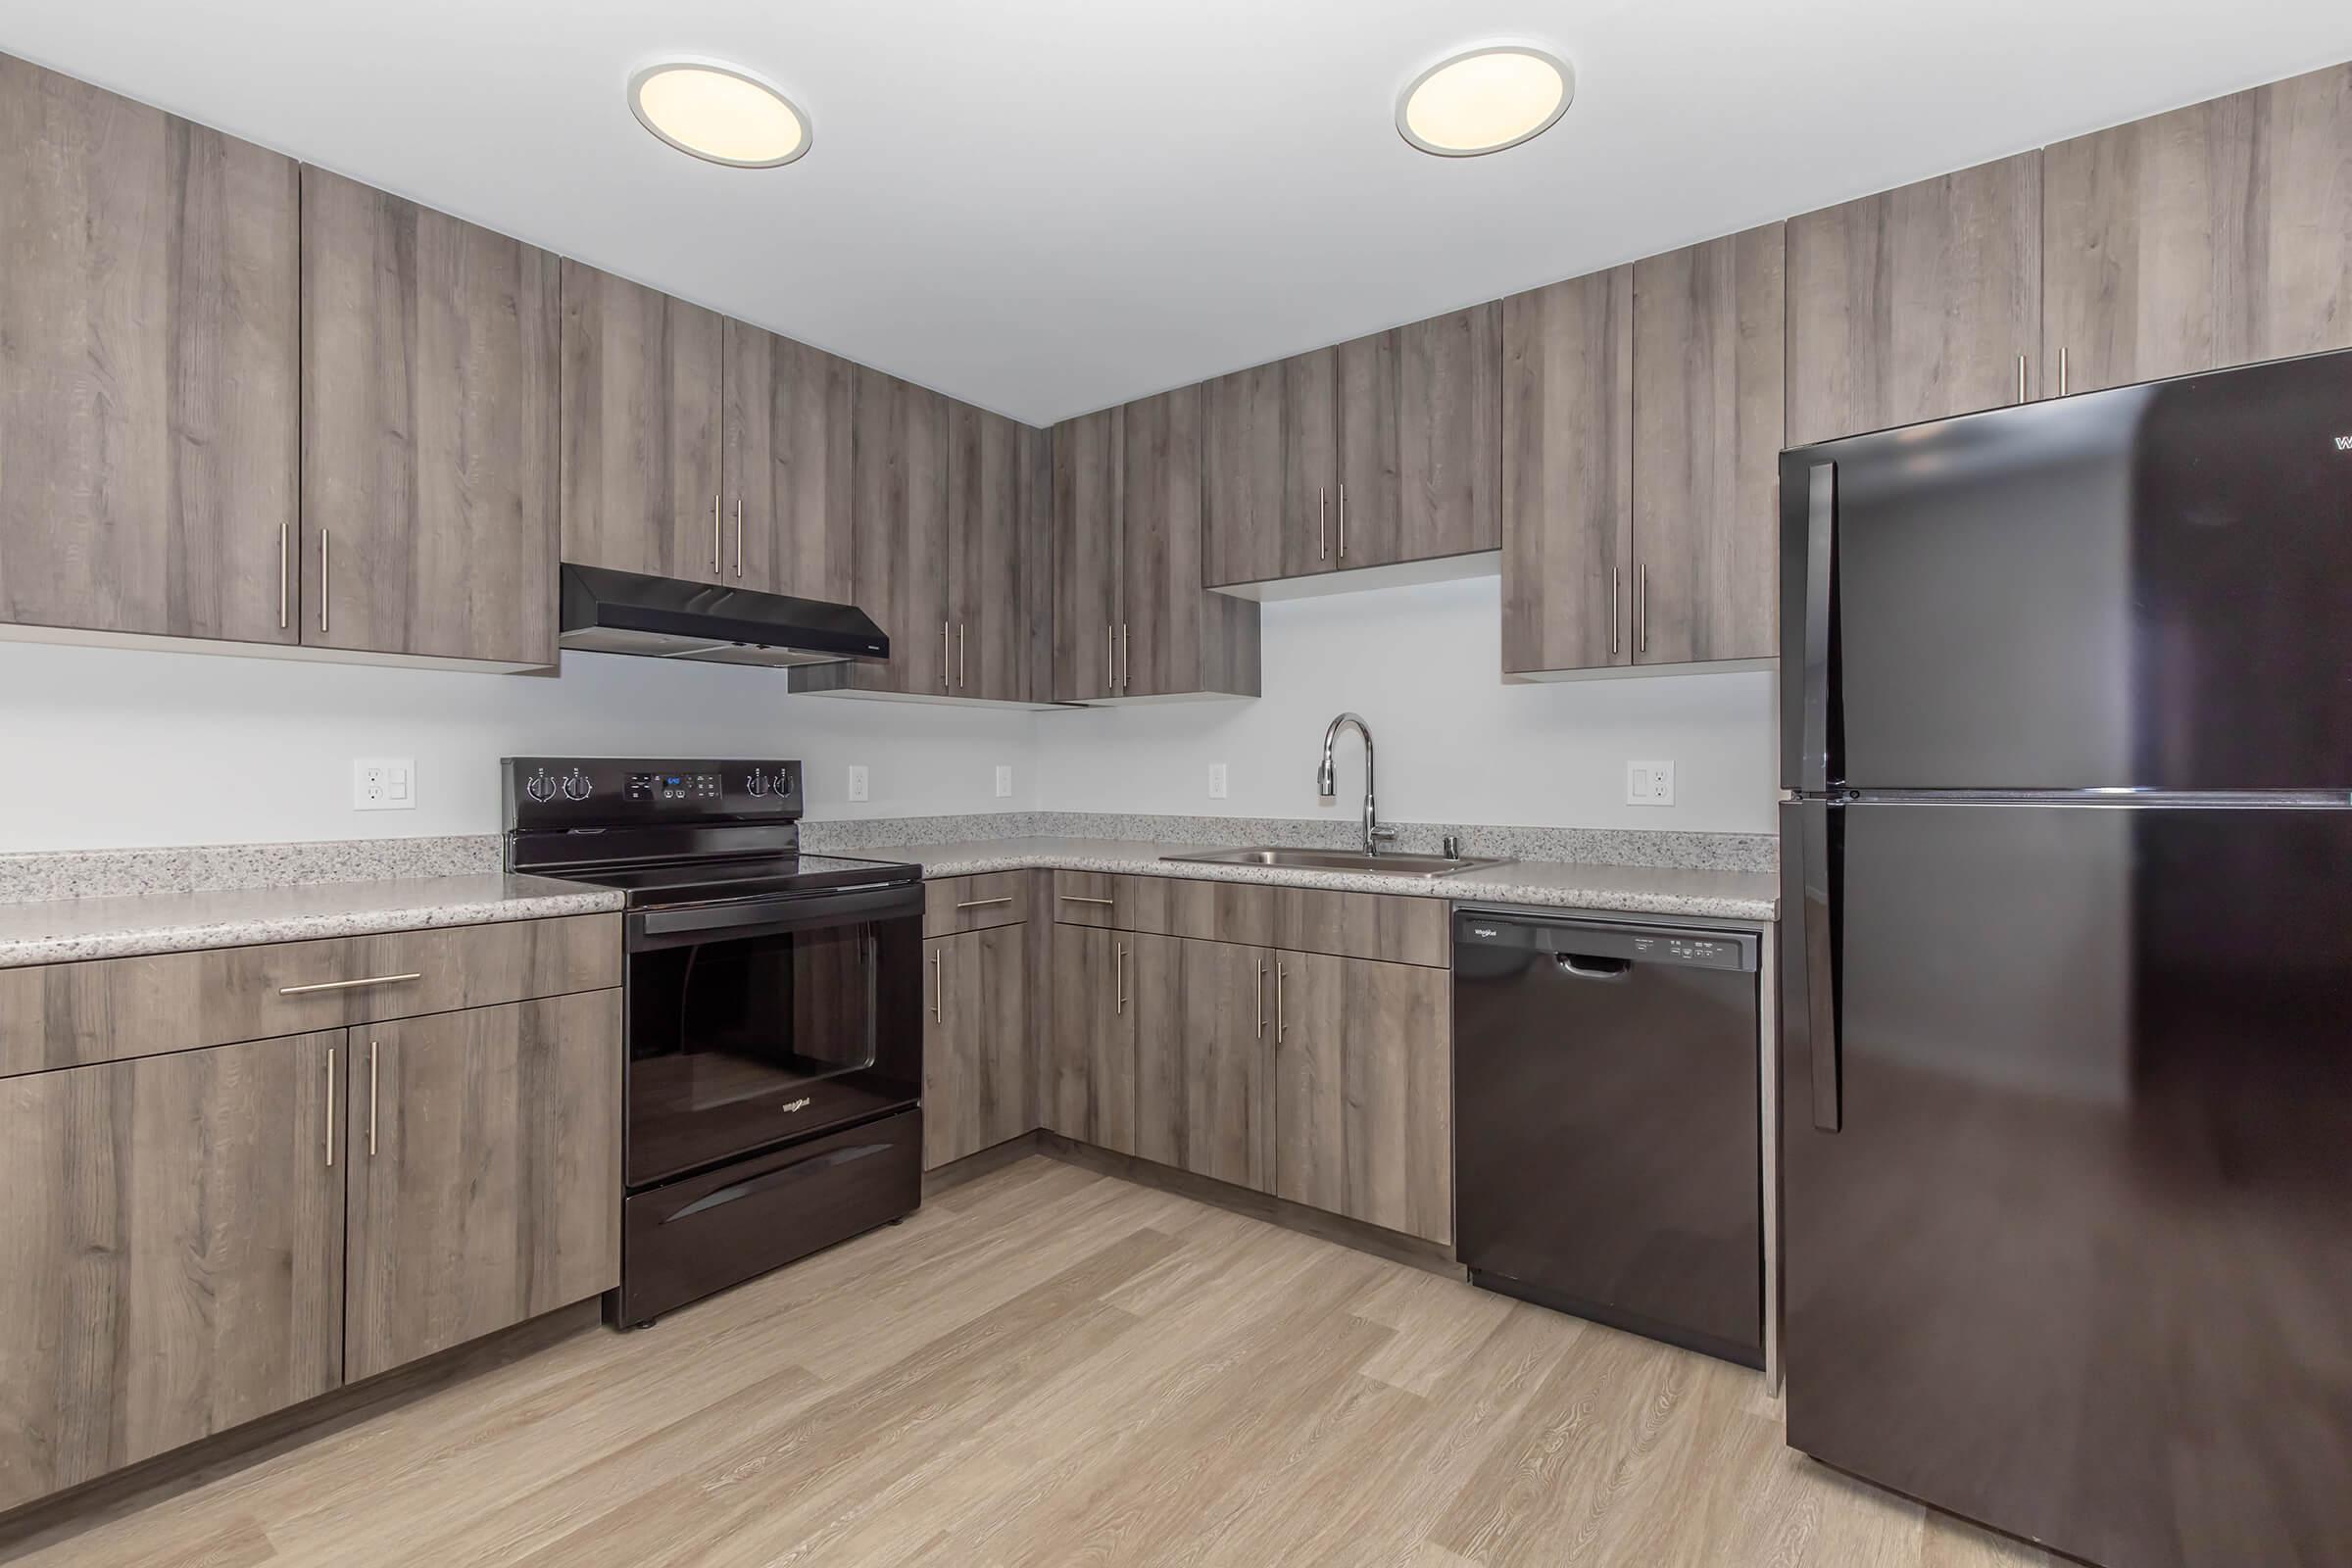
(565, 792)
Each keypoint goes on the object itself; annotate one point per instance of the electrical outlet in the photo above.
(1004, 782)
(857, 785)
(384, 784)
(1216, 781)
(1649, 783)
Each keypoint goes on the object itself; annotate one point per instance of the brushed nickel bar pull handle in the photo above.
(1282, 1022)
(330, 1107)
(1262, 998)
(1080, 897)
(323, 578)
(1322, 534)
(939, 988)
(984, 903)
(1343, 519)
(1110, 675)
(2021, 378)
(1616, 589)
(282, 599)
(2062, 372)
(370, 1100)
(739, 536)
(1118, 977)
(1641, 607)
(943, 656)
(964, 669)
(349, 985)
(714, 533)
(1126, 658)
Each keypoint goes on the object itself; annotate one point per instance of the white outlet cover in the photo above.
(384, 784)
(858, 782)
(1004, 781)
(1216, 781)
(1649, 783)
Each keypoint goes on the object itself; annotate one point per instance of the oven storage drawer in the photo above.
(697, 1236)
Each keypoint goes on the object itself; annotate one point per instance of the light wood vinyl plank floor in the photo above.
(1049, 1368)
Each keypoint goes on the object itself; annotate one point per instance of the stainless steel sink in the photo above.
(1386, 863)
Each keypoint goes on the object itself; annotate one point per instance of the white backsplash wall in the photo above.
(108, 748)
(1456, 745)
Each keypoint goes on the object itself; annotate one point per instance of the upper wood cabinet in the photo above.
(430, 386)
(148, 327)
(1087, 473)
(174, 1247)
(2214, 235)
(991, 489)
(642, 380)
(1917, 303)
(1709, 380)
(1567, 474)
(901, 441)
(485, 1173)
(1373, 452)
(788, 517)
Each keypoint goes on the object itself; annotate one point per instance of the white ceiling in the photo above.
(1049, 206)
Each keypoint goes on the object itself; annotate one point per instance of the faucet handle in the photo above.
(1383, 834)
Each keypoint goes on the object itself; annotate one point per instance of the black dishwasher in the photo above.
(1606, 1105)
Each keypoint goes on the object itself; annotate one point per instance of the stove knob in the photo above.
(576, 786)
(757, 783)
(539, 787)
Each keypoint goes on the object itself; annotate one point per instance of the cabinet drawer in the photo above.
(111, 1009)
(1393, 928)
(1093, 897)
(975, 902)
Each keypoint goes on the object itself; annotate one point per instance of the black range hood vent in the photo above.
(608, 612)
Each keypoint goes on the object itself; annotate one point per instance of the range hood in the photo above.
(608, 612)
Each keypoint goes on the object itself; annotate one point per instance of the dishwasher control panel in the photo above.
(1624, 940)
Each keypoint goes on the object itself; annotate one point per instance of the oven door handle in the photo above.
(805, 912)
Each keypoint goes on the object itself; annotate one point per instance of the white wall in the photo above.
(106, 747)
(1456, 745)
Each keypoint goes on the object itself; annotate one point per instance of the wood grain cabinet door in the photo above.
(1917, 303)
(977, 1088)
(1363, 1093)
(1567, 474)
(901, 441)
(642, 388)
(987, 591)
(1420, 441)
(149, 314)
(2215, 235)
(170, 1253)
(787, 520)
(1204, 1026)
(485, 1173)
(1086, 1084)
(1709, 378)
(1160, 625)
(429, 429)
(1311, 395)
(1243, 494)
(1088, 472)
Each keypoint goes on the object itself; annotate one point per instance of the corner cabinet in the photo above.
(149, 317)
(429, 431)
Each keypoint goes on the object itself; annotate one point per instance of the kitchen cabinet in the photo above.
(788, 510)
(640, 382)
(900, 505)
(174, 1245)
(1204, 1016)
(1087, 1087)
(1567, 474)
(1709, 384)
(977, 1047)
(1917, 303)
(1087, 473)
(989, 598)
(149, 317)
(429, 431)
(484, 1156)
(1369, 453)
(1363, 1091)
(2214, 235)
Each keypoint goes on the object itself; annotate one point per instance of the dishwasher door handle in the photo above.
(1583, 968)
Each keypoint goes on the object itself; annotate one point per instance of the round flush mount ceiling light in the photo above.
(1484, 100)
(718, 113)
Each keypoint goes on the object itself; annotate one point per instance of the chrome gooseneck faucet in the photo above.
(1326, 786)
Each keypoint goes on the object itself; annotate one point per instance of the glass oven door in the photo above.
(761, 1023)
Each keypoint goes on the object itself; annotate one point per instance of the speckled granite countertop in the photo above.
(61, 930)
(1625, 888)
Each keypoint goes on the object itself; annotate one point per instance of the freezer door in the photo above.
(2076, 1260)
(2143, 587)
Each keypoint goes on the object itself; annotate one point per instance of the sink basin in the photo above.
(1387, 863)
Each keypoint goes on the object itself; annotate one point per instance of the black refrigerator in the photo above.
(2066, 978)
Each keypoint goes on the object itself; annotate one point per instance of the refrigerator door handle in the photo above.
(1824, 848)
(1821, 542)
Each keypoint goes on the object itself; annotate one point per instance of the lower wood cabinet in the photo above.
(170, 1253)
(1086, 1081)
(1363, 1091)
(485, 1173)
(977, 1055)
(1205, 1019)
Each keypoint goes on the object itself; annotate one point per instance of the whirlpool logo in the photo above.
(2343, 443)
(802, 1104)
